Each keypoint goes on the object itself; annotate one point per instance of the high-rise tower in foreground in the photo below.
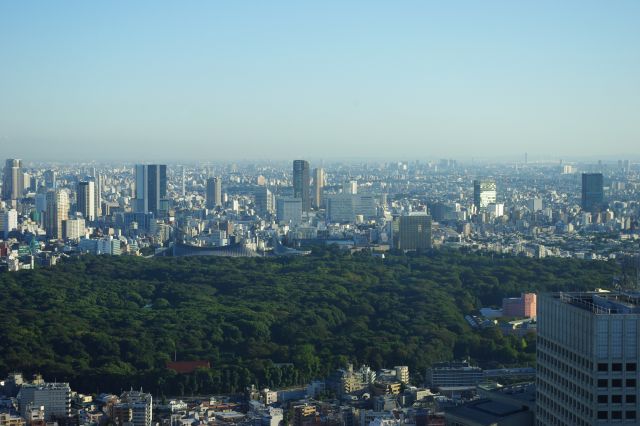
(587, 359)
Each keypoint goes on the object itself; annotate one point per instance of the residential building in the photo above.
(8, 222)
(57, 211)
(135, 408)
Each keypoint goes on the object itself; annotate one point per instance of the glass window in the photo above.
(616, 414)
(631, 366)
(603, 399)
(616, 383)
(616, 399)
(616, 366)
(602, 415)
(630, 414)
(631, 399)
(603, 366)
(631, 383)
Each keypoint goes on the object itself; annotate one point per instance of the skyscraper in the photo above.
(318, 185)
(50, 179)
(214, 192)
(12, 181)
(587, 358)
(289, 210)
(484, 193)
(57, 210)
(264, 201)
(592, 191)
(301, 183)
(413, 232)
(86, 200)
(151, 189)
(97, 179)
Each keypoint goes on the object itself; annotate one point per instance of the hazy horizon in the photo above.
(214, 81)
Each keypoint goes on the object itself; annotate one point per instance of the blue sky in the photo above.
(221, 80)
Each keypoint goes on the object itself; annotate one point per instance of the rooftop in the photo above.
(602, 302)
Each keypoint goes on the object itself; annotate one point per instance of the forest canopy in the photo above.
(107, 323)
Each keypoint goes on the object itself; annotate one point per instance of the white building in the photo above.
(54, 397)
(8, 222)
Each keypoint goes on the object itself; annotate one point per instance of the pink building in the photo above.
(521, 307)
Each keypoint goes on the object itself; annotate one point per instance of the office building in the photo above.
(214, 192)
(521, 307)
(151, 189)
(54, 397)
(350, 187)
(8, 222)
(454, 375)
(86, 200)
(484, 193)
(57, 210)
(50, 179)
(343, 208)
(587, 358)
(534, 204)
(12, 180)
(135, 409)
(265, 201)
(413, 232)
(301, 183)
(592, 192)
(97, 184)
(289, 210)
(318, 186)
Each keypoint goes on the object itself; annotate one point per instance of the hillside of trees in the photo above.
(107, 323)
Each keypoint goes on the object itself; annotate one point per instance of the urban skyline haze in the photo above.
(258, 80)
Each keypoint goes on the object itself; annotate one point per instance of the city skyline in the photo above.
(354, 80)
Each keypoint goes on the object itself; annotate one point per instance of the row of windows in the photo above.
(617, 399)
(571, 356)
(559, 399)
(616, 415)
(616, 366)
(616, 383)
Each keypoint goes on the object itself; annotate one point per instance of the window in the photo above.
(631, 399)
(616, 399)
(616, 414)
(616, 383)
(630, 414)
(616, 366)
(631, 366)
(603, 366)
(603, 399)
(602, 383)
(602, 415)
(631, 383)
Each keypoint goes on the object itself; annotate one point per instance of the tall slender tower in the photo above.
(214, 192)
(318, 185)
(86, 199)
(57, 210)
(151, 189)
(12, 181)
(592, 191)
(301, 183)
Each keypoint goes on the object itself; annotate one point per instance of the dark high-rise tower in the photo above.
(301, 183)
(592, 191)
(151, 189)
(214, 192)
(12, 180)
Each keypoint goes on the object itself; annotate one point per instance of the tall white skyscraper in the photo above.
(587, 358)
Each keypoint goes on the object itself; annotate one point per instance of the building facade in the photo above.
(413, 232)
(214, 192)
(151, 189)
(484, 193)
(12, 180)
(301, 180)
(592, 191)
(318, 186)
(587, 358)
